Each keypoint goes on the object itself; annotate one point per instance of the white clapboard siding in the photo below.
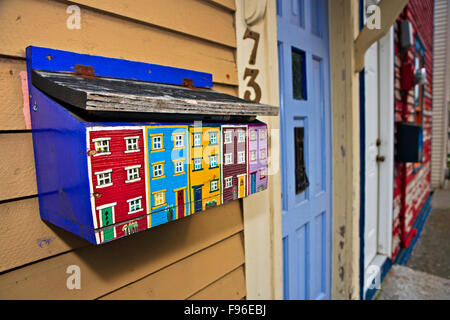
(441, 84)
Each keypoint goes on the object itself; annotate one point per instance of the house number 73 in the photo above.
(250, 72)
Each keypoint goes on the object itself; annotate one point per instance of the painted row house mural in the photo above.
(234, 162)
(117, 181)
(204, 168)
(257, 158)
(142, 177)
(167, 173)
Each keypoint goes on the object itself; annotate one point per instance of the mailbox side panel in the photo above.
(59, 142)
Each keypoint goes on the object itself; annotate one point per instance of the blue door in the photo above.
(253, 182)
(198, 199)
(303, 52)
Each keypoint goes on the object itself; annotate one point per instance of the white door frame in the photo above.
(386, 168)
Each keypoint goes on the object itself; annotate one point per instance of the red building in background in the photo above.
(117, 173)
(413, 105)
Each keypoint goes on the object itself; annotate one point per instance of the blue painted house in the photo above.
(167, 157)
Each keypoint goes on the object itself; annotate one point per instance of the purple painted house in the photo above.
(234, 162)
(257, 158)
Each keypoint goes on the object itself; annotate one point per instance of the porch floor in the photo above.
(427, 274)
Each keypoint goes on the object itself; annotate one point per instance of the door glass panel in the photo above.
(301, 180)
(298, 74)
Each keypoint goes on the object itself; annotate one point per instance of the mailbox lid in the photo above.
(108, 94)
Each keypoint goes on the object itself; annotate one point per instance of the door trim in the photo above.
(386, 168)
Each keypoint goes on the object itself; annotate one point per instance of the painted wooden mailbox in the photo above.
(123, 146)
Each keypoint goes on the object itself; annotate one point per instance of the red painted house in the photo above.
(117, 172)
(413, 104)
(234, 162)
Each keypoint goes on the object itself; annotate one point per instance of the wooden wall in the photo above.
(201, 256)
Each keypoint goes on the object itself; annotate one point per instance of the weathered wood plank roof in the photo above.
(107, 94)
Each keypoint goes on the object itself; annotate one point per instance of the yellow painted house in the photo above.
(204, 168)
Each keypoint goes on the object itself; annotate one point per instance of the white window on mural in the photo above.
(102, 145)
(262, 174)
(157, 143)
(134, 205)
(253, 135)
(228, 136)
(179, 141)
(263, 134)
(241, 136)
(228, 158)
(160, 198)
(241, 157)
(228, 182)
(197, 139)
(104, 178)
(262, 154)
(253, 155)
(213, 161)
(213, 138)
(133, 173)
(179, 166)
(214, 185)
(198, 164)
(132, 144)
(158, 170)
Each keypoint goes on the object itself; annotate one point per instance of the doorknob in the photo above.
(380, 158)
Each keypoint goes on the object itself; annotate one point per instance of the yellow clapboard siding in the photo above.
(18, 177)
(11, 104)
(27, 22)
(193, 17)
(229, 287)
(228, 4)
(25, 238)
(113, 265)
(232, 90)
(184, 278)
